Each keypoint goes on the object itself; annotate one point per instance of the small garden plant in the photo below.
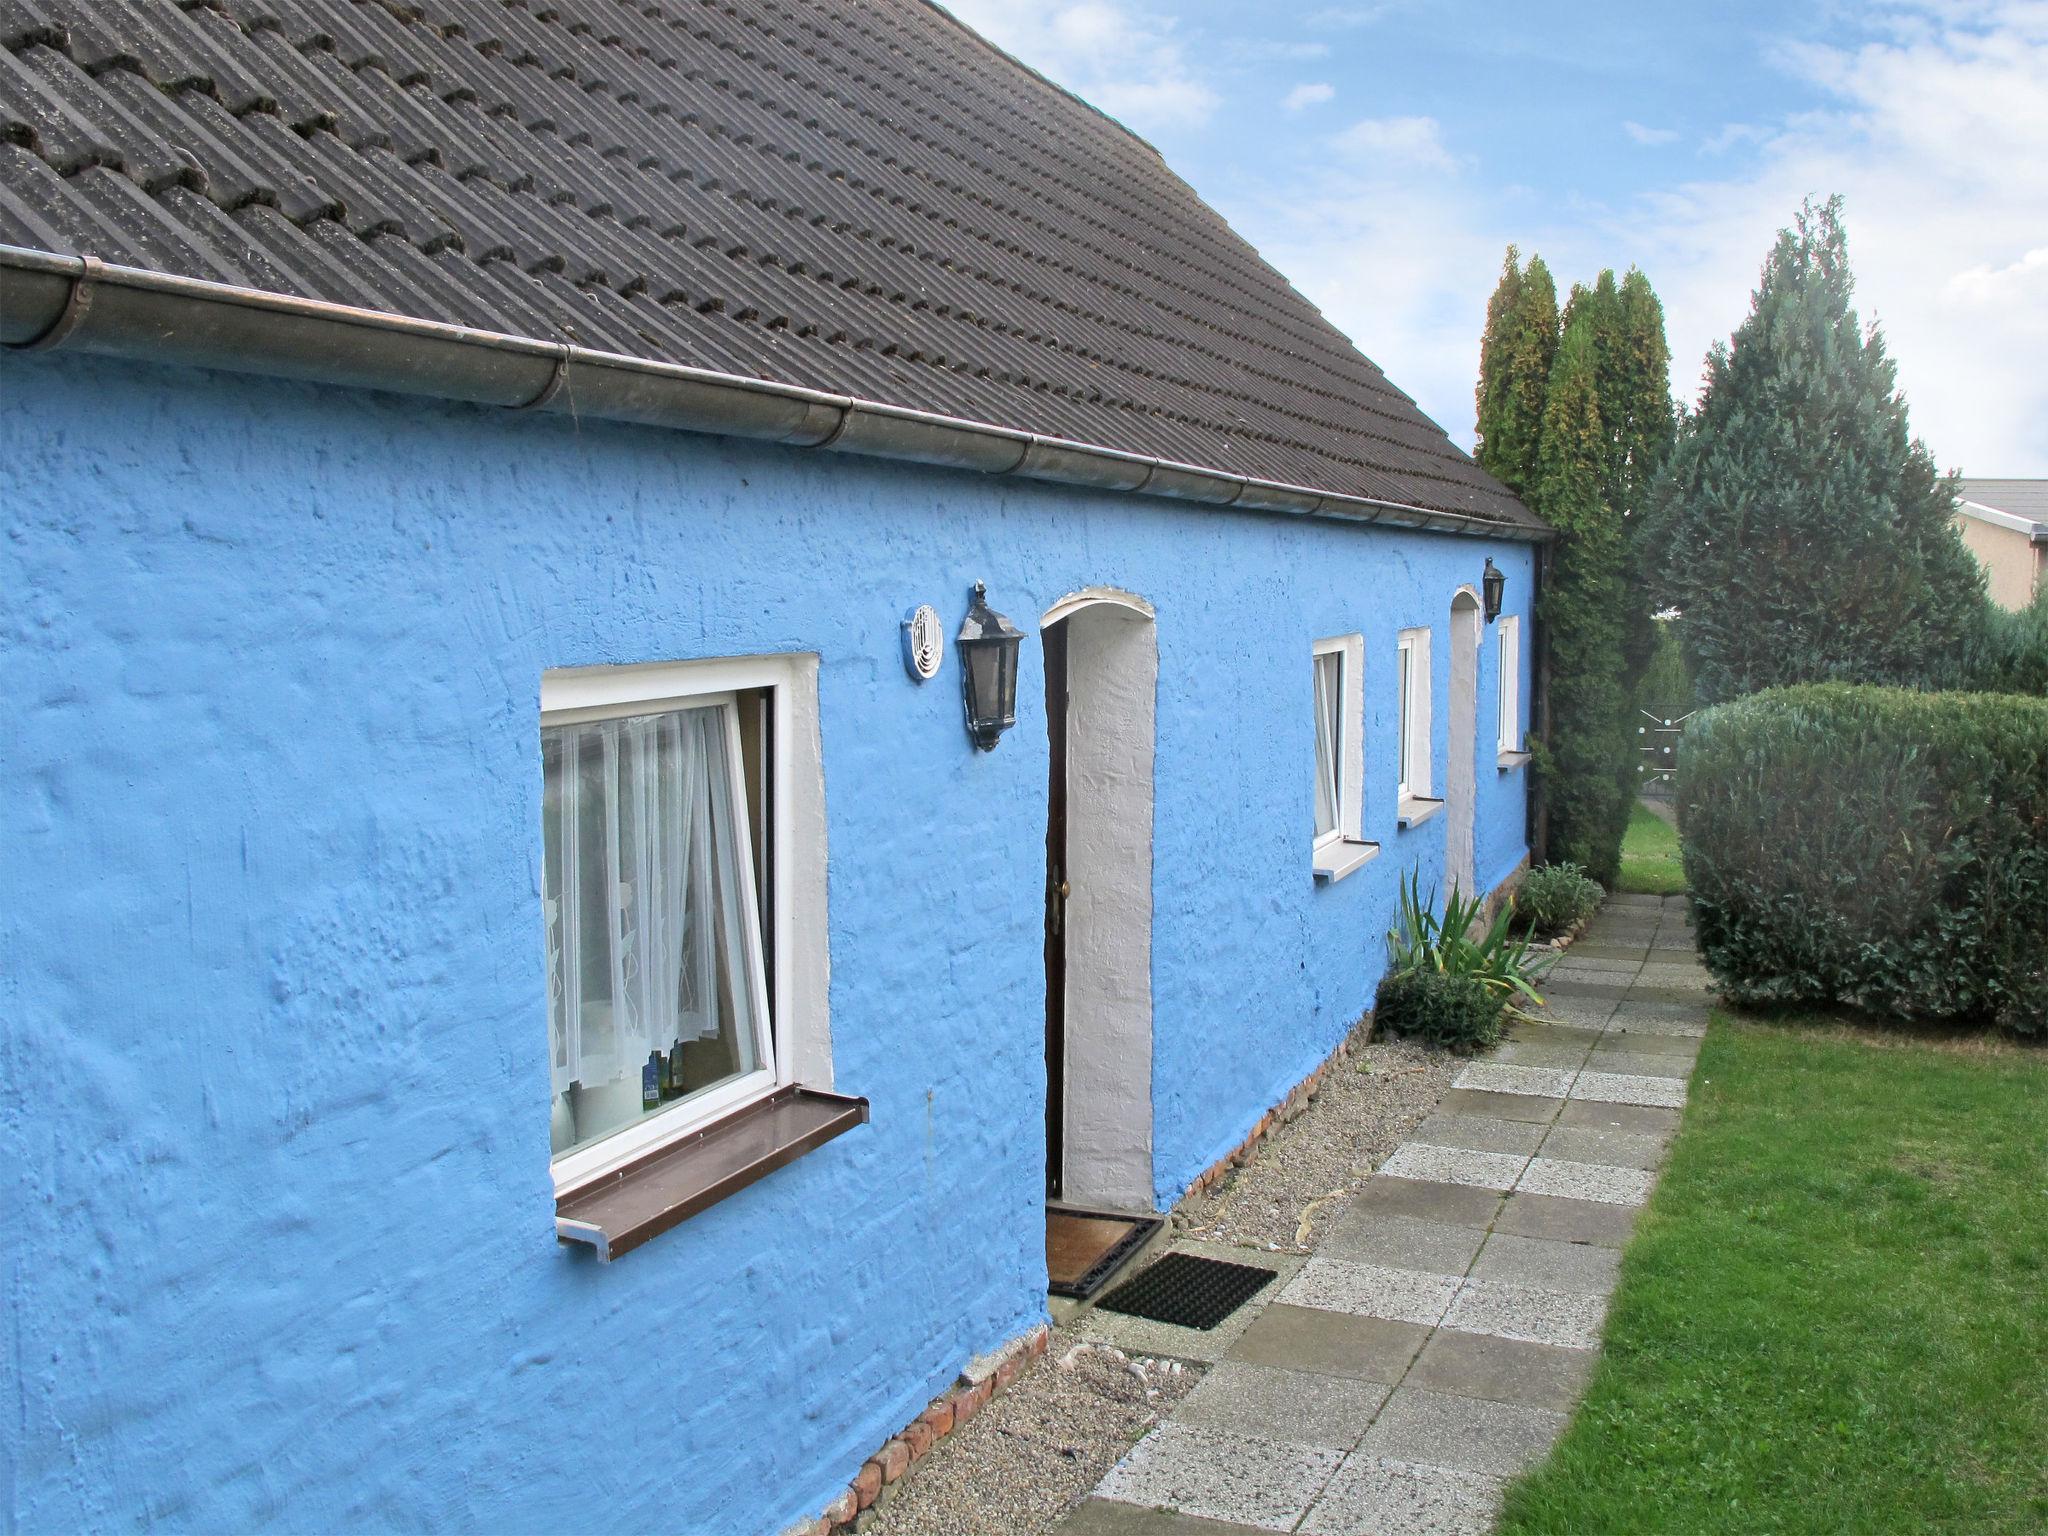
(1443, 984)
(1555, 899)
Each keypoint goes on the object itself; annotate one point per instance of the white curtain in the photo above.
(1329, 688)
(647, 916)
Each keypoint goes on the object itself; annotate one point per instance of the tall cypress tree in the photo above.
(1585, 603)
(1802, 530)
(1515, 357)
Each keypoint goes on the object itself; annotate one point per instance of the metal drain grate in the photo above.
(1189, 1291)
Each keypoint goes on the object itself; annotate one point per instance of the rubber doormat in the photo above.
(1189, 1291)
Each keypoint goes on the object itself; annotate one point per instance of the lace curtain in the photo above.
(646, 913)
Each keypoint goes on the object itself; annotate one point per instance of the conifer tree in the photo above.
(1584, 605)
(1802, 530)
(1515, 358)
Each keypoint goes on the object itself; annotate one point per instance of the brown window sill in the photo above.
(618, 1212)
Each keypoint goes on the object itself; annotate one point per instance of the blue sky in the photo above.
(1382, 155)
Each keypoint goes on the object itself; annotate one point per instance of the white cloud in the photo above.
(1308, 94)
(1652, 136)
(1343, 18)
(1122, 57)
(1932, 134)
(1397, 144)
(1729, 135)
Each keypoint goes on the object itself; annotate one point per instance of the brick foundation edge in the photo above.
(984, 1377)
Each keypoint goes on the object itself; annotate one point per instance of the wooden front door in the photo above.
(1056, 890)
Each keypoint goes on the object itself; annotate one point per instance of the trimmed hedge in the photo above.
(1877, 847)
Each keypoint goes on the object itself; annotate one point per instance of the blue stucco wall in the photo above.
(279, 1219)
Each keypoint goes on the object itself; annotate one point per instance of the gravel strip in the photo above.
(1293, 1185)
(1035, 1449)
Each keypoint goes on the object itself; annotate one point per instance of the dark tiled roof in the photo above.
(2020, 498)
(863, 198)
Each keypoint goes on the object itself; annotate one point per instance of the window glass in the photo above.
(655, 986)
(1405, 724)
(1329, 743)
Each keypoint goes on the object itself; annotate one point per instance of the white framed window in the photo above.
(1510, 685)
(1339, 699)
(682, 872)
(1412, 719)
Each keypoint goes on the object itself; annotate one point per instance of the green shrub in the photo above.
(1873, 846)
(1555, 898)
(2008, 652)
(1455, 945)
(1461, 1013)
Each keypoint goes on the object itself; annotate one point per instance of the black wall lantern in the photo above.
(1494, 581)
(988, 665)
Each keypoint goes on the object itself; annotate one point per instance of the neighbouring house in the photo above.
(539, 993)
(2005, 525)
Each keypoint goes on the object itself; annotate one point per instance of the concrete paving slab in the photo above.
(1575, 1012)
(1647, 1019)
(1637, 950)
(1502, 1370)
(1617, 1149)
(1402, 1242)
(1630, 1063)
(1607, 989)
(1586, 1181)
(1535, 1108)
(1460, 1204)
(1637, 1119)
(1565, 1220)
(1330, 1343)
(1455, 1165)
(1371, 1290)
(1577, 961)
(1106, 1517)
(1376, 1496)
(1244, 1480)
(1299, 1407)
(1625, 1088)
(1510, 1260)
(1565, 1055)
(1464, 1434)
(1535, 1314)
(1537, 1081)
(1680, 1048)
(1537, 1032)
(1482, 1133)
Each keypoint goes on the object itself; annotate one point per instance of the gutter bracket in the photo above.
(553, 387)
(77, 303)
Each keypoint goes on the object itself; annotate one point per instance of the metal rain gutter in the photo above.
(78, 302)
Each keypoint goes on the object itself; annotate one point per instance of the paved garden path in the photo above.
(1435, 1342)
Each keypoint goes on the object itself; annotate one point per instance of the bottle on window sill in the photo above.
(675, 1070)
(650, 1081)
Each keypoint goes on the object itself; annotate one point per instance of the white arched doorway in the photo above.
(1461, 781)
(1101, 688)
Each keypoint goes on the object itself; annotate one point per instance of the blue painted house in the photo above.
(526, 1007)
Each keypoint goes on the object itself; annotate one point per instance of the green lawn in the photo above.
(1649, 856)
(1834, 1315)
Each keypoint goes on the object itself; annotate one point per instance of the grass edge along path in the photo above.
(1834, 1313)
(1650, 865)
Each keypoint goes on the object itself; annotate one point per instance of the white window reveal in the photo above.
(682, 873)
(1339, 699)
(1511, 753)
(1415, 804)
